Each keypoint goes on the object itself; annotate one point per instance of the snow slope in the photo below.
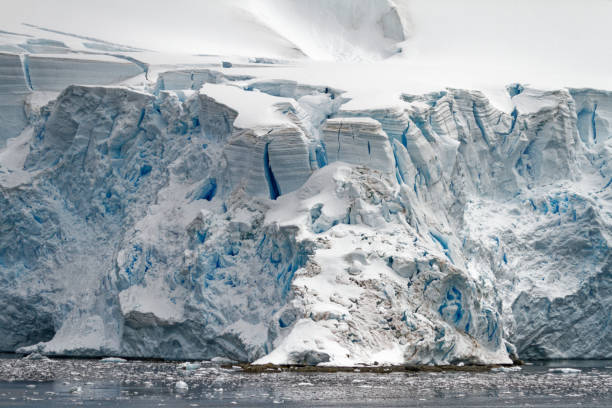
(331, 191)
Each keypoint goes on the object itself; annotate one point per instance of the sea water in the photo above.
(93, 383)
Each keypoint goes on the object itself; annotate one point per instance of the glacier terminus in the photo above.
(311, 204)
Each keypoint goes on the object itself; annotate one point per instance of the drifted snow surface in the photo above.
(253, 213)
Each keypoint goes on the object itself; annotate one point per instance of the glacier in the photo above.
(201, 210)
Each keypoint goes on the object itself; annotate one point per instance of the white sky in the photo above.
(187, 26)
(567, 41)
(540, 26)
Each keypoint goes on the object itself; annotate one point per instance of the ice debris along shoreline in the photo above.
(55, 380)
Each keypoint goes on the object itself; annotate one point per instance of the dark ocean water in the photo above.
(91, 383)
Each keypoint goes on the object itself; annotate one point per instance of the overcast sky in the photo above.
(562, 31)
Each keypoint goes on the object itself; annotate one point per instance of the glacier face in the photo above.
(48, 74)
(234, 209)
(175, 223)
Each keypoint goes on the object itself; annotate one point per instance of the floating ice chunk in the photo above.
(564, 370)
(35, 356)
(188, 366)
(222, 360)
(506, 369)
(181, 386)
(113, 360)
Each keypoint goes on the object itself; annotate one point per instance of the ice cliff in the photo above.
(261, 220)
(275, 211)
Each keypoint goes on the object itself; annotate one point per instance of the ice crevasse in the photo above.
(215, 215)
